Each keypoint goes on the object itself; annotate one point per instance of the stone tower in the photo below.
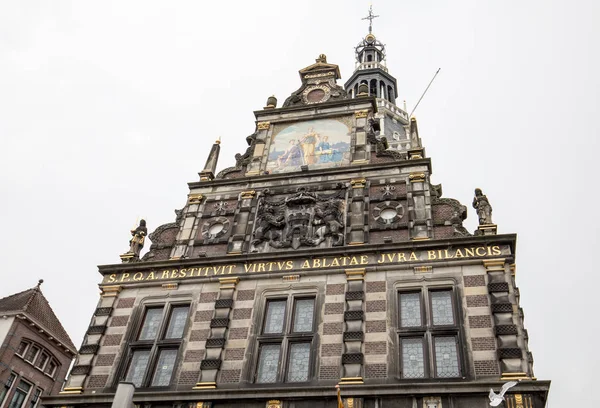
(323, 257)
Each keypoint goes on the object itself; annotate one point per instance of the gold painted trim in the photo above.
(229, 282)
(487, 226)
(513, 269)
(290, 278)
(421, 239)
(351, 380)
(361, 114)
(358, 183)
(247, 194)
(72, 390)
(195, 198)
(252, 173)
(360, 161)
(263, 125)
(110, 291)
(493, 265)
(355, 243)
(274, 404)
(416, 177)
(170, 286)
(355, 274)
(205, 385)
(423, 269)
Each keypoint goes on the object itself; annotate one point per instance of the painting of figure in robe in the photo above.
(321, 143)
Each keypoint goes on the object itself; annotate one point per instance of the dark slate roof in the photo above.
(33, 304)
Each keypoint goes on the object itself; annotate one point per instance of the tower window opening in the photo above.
(373, 88)
(369, 58)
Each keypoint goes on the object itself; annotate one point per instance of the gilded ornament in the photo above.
(263, 125)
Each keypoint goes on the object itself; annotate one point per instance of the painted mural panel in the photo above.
(322, 143)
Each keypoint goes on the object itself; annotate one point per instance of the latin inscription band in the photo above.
(384, 258)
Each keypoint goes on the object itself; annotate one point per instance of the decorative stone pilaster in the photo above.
(354, 334)
(361, 149)
(91, 341)
(209, 367)
(419, 206)
(518, 401)
(356, 220)
(240, 236)
(510, 351)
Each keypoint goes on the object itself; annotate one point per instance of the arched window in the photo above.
(390, 92)
(369, 58)
(373, 88)
(38, 356)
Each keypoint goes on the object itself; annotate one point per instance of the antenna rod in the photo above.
(424, 92)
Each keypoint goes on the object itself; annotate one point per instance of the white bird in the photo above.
(496, 399)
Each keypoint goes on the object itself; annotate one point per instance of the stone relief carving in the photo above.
(304, 218)
(241, 160)
(381, 144)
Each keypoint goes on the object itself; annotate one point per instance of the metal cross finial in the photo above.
(370, 17)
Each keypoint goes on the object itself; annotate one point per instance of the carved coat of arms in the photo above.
(301, 219)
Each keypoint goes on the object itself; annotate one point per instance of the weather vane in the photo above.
(370, 17)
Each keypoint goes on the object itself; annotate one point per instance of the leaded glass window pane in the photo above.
(298, 364)
(177, 322)
(164, 368)
(303, 315)
(275, 315)
(268, 363)
(151, 324)
(446, 357)
(410, 310)
(32, 353)
(137, 367)
(441, 308)
(413, 360)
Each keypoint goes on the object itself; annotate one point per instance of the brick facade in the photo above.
(477, 301)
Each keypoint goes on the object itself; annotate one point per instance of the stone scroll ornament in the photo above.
(301, 219)
(483, 207)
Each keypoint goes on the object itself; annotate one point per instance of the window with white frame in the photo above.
(6, 387)
(428, 334)
(38, 356)
(286, 339)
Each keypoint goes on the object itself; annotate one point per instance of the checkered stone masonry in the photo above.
(376, 370)
(245, 295)
(203, 316)
(480, 322)
(483, 343)
(230, 376)
(193, 356)
(188, 377)
(105, 359)
(241, 314)
(376, 306)
(373, 287)
(475, 280)
(125, 303)
(331, 350)
(238, 333)
(199, 335)
(333, 328)
(336, 289)
(329, 372)
(208, 297)
(112, 340)
(119, 321)
(376, 326)
(486, 367)
(376, 347)
(234, 354)
(477, 301)
(334, 308)
(97, 381)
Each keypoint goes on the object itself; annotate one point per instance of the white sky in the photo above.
(108, 109)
